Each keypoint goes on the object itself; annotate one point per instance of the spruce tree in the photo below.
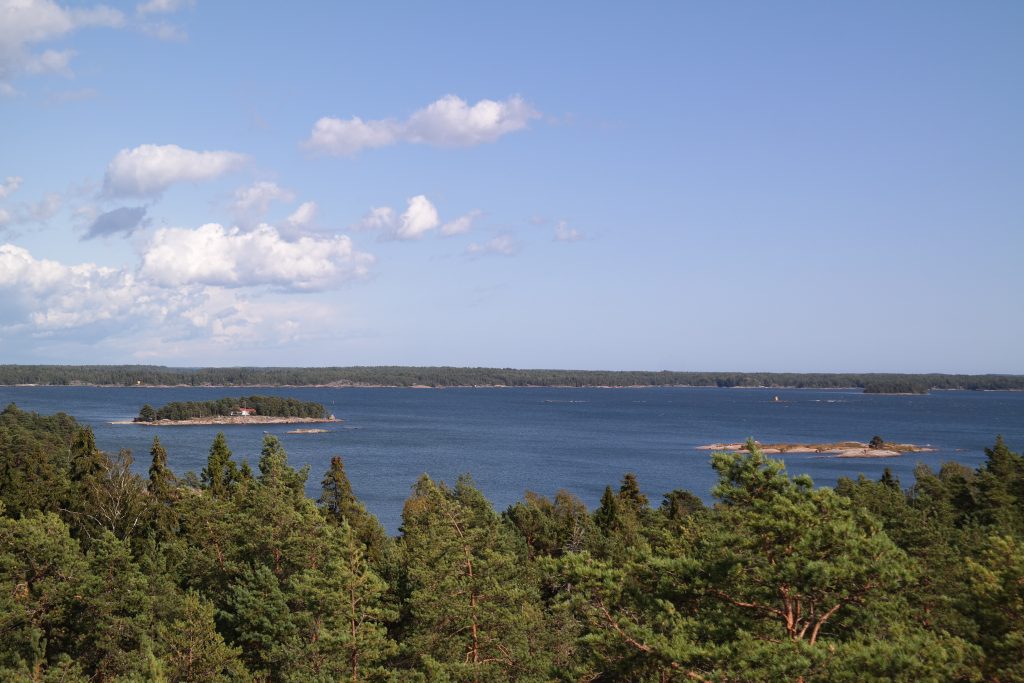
(341, 506)
(220, 471)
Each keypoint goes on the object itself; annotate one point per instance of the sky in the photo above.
(786, 186)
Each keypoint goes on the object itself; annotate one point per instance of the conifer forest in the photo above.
(235, 574)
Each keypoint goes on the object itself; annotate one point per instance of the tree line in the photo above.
(273, 406)
(402, 376)
(233, 574)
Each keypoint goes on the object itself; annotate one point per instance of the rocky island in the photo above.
(234, 411)
(876, 448)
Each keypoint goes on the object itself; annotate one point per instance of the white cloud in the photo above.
(51, 295)
(25, 23)
(462, 224)
(5, 218)
(563, 233)
(47, 304)
(419, 218)
(151, 169)
(162, 6)
(46, 208)
(346, 137)
(214, 255)
(51, 61)
(162, 30)
(9, 186)
(447, 122)
(502, 244)
(302, 216)
(379, 218)
(256, 198)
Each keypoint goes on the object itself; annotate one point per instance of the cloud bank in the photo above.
(227, 257)
(447, 122)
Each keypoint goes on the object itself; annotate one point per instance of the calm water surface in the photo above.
(544, 439)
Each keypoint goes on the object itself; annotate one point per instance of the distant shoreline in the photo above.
(487, 386)
(436, 377)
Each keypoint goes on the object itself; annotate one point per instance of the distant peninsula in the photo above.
(234, 411)
(442, 377)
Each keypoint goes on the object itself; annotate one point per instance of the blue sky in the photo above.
(791, 186)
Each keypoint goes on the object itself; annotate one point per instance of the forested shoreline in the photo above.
(408, 376)
(234, 574)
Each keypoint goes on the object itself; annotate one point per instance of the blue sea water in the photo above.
(544, 439)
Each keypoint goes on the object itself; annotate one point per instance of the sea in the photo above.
(513, 440)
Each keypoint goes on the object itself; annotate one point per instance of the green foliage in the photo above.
(274, 406)
(473, 613)
(194, 650)
(405, 376)
(105, 576)
(220, 472)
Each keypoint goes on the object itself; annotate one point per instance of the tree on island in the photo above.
(876, 443)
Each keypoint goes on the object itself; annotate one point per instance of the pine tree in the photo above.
(194, 650)
(474, 613)
(260, 622)
(340, 612)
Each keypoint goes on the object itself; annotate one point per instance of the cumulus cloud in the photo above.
(461, 225)
(9, 186)
(126, 219)
(447, 122)
(419, 218)
(255, 199)
(27, 23)
(148, 170)
(502, 244)
(563, 233)
(228, 257)
(45, 303)
(50, 295)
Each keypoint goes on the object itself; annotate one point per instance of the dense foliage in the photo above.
(234, 575)
(275, 406)
(399, 376)
(897, 386)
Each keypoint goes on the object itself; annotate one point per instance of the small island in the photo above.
(876, 448)
(234, 411)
